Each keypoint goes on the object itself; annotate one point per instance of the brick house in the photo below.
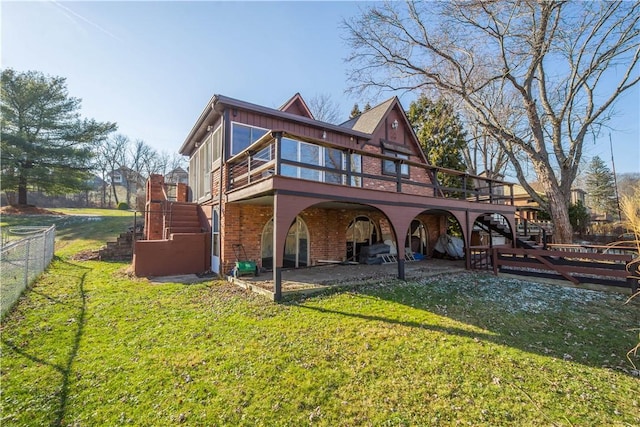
(297, 192)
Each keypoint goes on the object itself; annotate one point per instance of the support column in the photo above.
(278, 249)
(400, 266)
(467, 241)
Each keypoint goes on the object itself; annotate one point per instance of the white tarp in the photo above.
(450, 245)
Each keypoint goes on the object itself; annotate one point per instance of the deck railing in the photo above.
(576, 267)
(264, 159)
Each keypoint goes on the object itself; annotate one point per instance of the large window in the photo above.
(329, 158)
(242, 136)
(301, 152)
(202, 164)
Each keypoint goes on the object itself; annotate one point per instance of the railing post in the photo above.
(26, 264)
(464, 185)
(249, 158)
(490, 192)
(278, 154)
(436, 185)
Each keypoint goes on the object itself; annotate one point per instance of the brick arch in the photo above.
(509, 218)
(269, 224)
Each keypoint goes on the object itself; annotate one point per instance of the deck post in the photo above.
(401, 268)
(277, 284)
(278, 249)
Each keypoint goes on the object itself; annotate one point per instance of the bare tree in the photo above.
(483, 153)
(324, 108)
(538, 76)
(140, 154)
(111, 157)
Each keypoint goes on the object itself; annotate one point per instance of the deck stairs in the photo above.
(497, 225)
(181, 217)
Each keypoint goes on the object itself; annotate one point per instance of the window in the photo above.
(116, 178)
(242, 136)
(301, 152)
(356, 167)
(216, 144)
(201, 165)
(332, 158)
(296, 250)
(389, 166)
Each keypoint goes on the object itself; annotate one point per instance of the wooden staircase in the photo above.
(492, 224)
(181, 217)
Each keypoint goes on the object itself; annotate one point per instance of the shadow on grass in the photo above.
(63, 369)
(565, 329)
(410, 324)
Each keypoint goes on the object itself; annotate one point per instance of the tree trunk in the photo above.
(103, 199)
(559, 212)
(22, 190)
(115, 194)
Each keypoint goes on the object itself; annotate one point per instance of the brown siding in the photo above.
(303, 130)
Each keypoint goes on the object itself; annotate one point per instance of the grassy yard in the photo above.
(77, 229)
(89, 345)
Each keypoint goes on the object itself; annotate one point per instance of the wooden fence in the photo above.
(610, 269)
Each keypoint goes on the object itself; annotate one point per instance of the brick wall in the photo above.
(327, 231)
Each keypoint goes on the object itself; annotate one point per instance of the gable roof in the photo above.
(178, 170)
(296, 105)
(218, 103)
(369, 121)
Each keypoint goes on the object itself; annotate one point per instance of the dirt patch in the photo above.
(26, 210)
(86, 255)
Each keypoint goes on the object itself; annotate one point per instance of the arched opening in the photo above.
(451, 244)
(362, 231)
(492, 229)
(296, 250)
(418, 238)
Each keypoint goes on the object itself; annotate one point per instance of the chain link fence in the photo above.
(25, 253)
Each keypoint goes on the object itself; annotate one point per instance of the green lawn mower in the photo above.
(243, 266)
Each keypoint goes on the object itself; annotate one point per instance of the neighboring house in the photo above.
(125, 176)
(177, 176)
(297, 192)
(529, 209)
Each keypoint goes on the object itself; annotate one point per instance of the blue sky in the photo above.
(152, 66)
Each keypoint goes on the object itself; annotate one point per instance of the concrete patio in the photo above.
(319, 278)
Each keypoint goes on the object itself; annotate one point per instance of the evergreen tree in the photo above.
(355, 111)
(601, 189)
(45, 144)
(579, 217)
(441, 136)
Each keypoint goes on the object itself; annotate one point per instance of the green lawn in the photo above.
(78, 229)
(89, 345)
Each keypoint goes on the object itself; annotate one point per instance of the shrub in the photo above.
(123, 206)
